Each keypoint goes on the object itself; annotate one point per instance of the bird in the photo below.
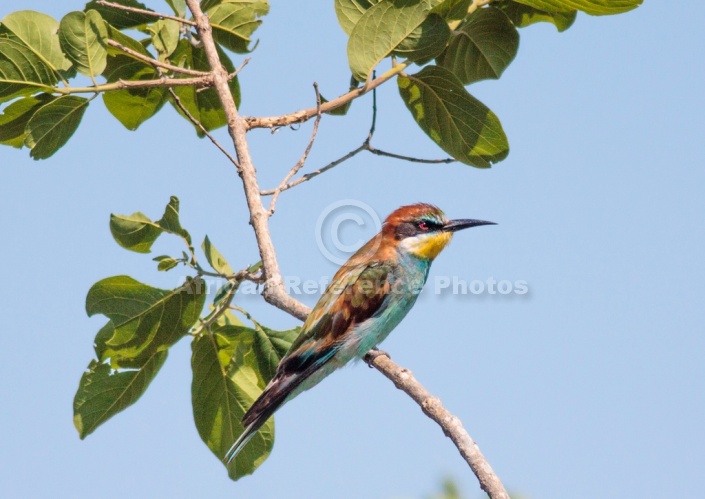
(366, 299)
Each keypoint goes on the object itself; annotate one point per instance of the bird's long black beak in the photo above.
(464, 223)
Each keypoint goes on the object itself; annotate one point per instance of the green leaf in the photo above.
(225, 384)
(426, 42)
(338, 111)
(203, 104)
(460, 124)
(342, 110)
(22, 72)
(234, 21)
(53, 125)
(143, 319)
(170, 220)
(349, 12)
(254, 267)
(215, 259)
(482, 47)
(593, 7)
(270, 346)
(137, 232)
(166, 263)
(380, 29)
(121, 19)
(39, 33)
(227, 318)
(103, 392)
(523, 15)
(131, 106)
(453, 10)
(179, 7)
(82, 36)
(165, 37)
(15, 117)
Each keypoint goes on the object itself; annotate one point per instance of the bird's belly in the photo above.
(373, 331)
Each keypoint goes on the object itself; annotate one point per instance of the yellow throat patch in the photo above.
(427, 245)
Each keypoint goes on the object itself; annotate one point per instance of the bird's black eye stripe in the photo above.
(427, 225)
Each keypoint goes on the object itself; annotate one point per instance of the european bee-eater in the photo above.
(368, 296)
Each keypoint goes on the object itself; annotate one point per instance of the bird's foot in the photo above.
(373, 354)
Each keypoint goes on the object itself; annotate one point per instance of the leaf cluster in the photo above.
(231, 362)
(459, 42)
(41, 57)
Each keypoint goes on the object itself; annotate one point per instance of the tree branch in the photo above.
(452, 427)
(163, 82)
(200, 126)
(274, 291)
(306, 114)
(300, 163)
(366, 146)
(154, 62)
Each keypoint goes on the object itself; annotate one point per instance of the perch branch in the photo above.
(452, 427)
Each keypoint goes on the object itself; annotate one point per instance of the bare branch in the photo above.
(299, 164)
(154, 62)
(146, 12)
(163, 82)
(315, 173)
(306, 114)
(452, 426)
(379, 152)
(366, 146)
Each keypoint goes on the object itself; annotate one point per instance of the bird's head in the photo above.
(422, 230)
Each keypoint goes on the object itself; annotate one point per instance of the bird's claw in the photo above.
(372, 355)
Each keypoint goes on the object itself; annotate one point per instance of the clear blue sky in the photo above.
(590, 385)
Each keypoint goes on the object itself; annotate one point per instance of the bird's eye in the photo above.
(423, 225)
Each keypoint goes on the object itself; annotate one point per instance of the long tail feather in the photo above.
(242, 440)
(262, 409)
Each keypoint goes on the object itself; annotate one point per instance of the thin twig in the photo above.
(300, 163)
(154, 62)
(366, 146)
(451, 425)
(379, 152)
(200, 126)
(201, 81)
(146, 12)
(315, 173)
(225, 304)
